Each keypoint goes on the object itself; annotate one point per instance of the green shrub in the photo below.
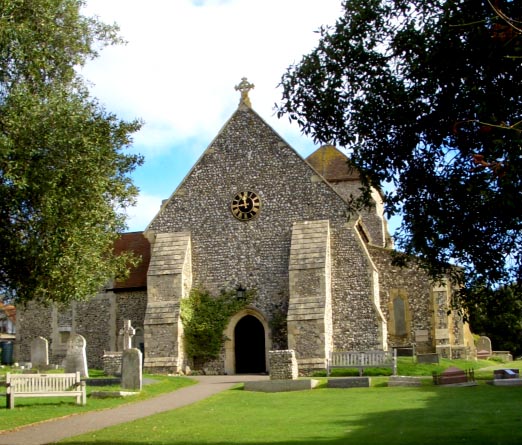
(204, 319)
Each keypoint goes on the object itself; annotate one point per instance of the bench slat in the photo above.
(45, 385)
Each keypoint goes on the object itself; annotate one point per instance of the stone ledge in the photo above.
(281, 385)
(349, 382)
(400, 380)
(507, 382)
(110, 394)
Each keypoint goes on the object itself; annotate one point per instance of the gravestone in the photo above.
(131, 375)
(428, 358)
(40, 352)
(484, 347)
(507, 377)
(349, 382)
(454, 376)
(127, 332)
(506, 374)
(422, 335)
(76, 358)
(401, 380)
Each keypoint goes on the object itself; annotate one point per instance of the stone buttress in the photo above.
(310, 309)
(169, 279)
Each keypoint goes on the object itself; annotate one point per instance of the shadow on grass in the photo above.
(482, 415)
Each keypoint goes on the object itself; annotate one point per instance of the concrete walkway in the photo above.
(52, 431)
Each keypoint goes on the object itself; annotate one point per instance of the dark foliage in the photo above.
(426, 96)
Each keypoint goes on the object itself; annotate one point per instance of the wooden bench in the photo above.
(44, 385)
(362, 360)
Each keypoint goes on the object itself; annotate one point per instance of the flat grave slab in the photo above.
(281, 385)
(401, 380)
(349, 382)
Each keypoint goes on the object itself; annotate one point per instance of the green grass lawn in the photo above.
(31, 410)
(379, 415)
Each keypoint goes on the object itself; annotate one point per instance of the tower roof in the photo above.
(332, 164)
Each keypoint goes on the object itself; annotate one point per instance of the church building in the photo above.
(252, 214)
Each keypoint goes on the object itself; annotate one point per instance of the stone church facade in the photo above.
(253, 215)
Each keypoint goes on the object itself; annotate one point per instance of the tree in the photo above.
(426, 96)
(498, 315)
(64, 180)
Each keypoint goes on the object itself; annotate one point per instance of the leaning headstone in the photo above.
(131, 377)
(40, 352)
(76, 357)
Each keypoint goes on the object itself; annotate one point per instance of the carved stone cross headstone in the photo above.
(128, 332)
(40, 352)
(76, 357)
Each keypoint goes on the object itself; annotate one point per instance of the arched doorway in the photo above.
(249, 346)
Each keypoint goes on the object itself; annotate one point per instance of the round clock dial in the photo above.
(245, 206)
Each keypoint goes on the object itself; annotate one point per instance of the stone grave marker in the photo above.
(454, 376)
(131, 373)
(349, 382)
(506, 373)
(428, 358)
(127, 332)
(76, 357)
(421, 335)
(507, 377)
(40, 352)
(484, 347)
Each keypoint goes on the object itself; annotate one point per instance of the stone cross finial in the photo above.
(128, 332)
(244, 86)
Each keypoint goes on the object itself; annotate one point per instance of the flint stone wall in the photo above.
(412, 282)
(94, 319)
(255, 254)
(283, 365)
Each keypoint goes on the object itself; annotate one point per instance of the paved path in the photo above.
(55, 430)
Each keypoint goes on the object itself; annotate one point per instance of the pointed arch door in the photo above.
(249, 346)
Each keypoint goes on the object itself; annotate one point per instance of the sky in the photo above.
(178, 70)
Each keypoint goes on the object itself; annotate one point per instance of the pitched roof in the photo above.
(332, 164)
(137, 243)
(9, 310)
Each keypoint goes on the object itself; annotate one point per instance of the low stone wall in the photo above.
(112, 363)
(283, 365)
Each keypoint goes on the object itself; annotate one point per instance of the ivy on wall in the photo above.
(205, 318)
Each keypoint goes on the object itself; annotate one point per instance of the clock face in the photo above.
(245, 206)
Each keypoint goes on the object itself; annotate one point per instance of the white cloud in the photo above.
(182, 60)
(140, 215)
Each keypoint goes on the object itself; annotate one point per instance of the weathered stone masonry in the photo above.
(322, 272)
